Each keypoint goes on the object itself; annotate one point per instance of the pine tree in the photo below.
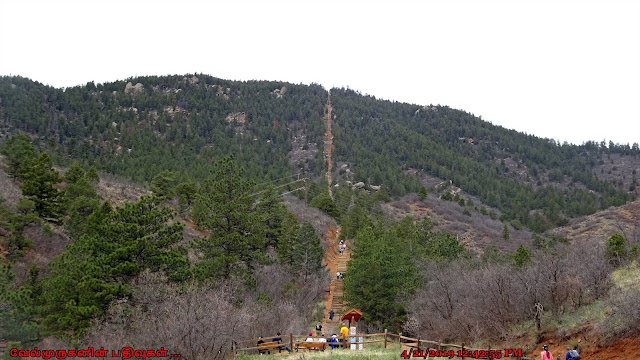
(378, 275)
(224, 206)
(96, 268)
(272, 212)
(307, 251)
(323, 202)
(19, 151)
(505, 232)
(616, 250)
(38, 185)
(162, 184)
(186, 192)
(422, 193)
(287, 239)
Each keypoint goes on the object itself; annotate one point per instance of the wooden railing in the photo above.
(407, 343)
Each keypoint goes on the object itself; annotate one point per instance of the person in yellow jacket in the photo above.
(344, 332)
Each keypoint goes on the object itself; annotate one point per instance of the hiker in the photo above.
(261, 341)
(344, 331)
(322, 339)
(572, 354)
(318, 328)
(334, 341)
(310, 338)
(331, 313)
(338, 275)
(546, 354)
(278, 339)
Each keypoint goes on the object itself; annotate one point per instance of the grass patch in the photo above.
(627, 276)
(393, 352)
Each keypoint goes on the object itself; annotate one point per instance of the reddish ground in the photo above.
(330, 260)
(190, 224)
(623, 349)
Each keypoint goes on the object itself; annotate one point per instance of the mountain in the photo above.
(444, 214)
(140, 126)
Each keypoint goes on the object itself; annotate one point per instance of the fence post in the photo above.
(385, 338)
(462, 351)
(233, 347)
(418, 343)
(291, 341)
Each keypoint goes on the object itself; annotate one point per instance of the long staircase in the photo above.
(336, 303)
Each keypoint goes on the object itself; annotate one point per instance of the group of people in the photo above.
(339, 276)
(333, 341)
(572, 354)
(342, 247)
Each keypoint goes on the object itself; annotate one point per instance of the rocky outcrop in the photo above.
(133, 89)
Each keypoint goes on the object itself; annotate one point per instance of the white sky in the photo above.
(567, 70)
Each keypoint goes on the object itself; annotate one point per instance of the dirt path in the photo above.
(335, 262)
(191, 225)
(328, 143)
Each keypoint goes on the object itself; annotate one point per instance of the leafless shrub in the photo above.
(320, 221)
(623, 317)
(471, 301)
(200, 322)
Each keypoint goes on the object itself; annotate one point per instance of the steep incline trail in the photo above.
(328, 142)
(335, 262)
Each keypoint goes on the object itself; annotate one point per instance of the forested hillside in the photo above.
(535, 181)
(142, 126)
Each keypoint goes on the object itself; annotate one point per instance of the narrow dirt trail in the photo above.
(191, 225)
(328, 142)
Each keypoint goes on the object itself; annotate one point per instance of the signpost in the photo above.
(353, 316)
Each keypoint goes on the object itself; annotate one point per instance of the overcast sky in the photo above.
(567, 70)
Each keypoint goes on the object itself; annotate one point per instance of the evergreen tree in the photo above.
(379, 275)
(38, 185)
(616, 250)
(224, 206)
(19, 151)
(272, 212)
(307, 251)
(287, 239)
(163, 183)
(186, 192)
(522, 257)
(324, 202)
(422, 193)
(505, 232)
(97, 267)
(18, 315)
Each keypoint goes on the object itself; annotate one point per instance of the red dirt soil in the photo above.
(622, 349)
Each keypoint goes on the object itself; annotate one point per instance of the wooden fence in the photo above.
(406, 343)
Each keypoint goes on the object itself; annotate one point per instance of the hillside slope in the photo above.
(140, 126)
